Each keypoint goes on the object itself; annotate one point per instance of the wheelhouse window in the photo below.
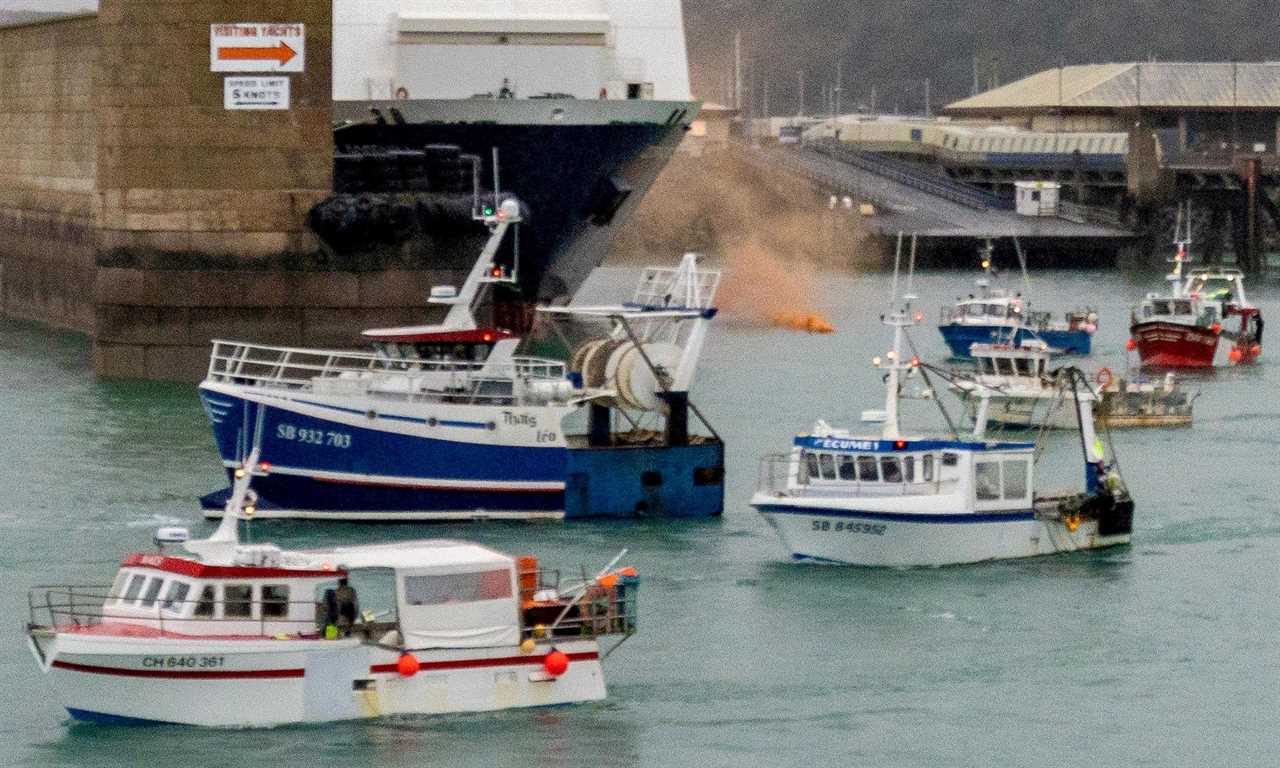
(926, 467)
(1023, 366)
(986, 480)
(950, 459)
(275, 600)
(909, 469)
(848, 470)
(828, 464)
(1182, 307)
(996, 310)
(1015, 479)
(204, 606)
(890, 470)
(118, 586)
(152, 591)
(237, 601)
(175, 599)
(439, 589)
(811, 465)
(134, 589)
(1160, 307)
(867, 471)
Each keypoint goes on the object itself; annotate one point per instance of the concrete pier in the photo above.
(136, 209)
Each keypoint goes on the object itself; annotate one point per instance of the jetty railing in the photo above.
(354, 371)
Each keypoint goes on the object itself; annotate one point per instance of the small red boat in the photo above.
(1204, 320)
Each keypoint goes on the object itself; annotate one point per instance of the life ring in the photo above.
(1103, 377)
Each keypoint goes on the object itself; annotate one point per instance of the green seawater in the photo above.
(1164, 653)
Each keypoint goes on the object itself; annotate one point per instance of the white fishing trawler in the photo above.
(896, 499)
(1018, 389)
(250, 635)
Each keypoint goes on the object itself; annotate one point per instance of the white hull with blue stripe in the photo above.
(893, 500)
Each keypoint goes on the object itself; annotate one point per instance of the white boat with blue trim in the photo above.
(587, 415)
(228, 634)
(900, 500)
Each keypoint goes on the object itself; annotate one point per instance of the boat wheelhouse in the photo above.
(1020, 389)
(1184, 328)
(251, 635)
(895, 499)
(586, 415)
(994, 316)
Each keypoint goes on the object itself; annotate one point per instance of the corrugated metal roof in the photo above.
(1151, 84)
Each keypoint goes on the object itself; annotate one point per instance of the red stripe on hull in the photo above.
(200, 674)
(1169, 345)
(505, 661)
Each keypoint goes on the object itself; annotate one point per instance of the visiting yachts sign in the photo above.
(253, 47)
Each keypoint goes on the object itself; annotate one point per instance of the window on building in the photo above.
(237, 601)
(986, 480)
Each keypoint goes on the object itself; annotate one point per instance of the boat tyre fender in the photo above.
(1103, 377)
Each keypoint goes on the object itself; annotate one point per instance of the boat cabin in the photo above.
(990, 310)
(1225, 285)
(183, 596)
(428, 594)
(419, 345)
(994, 475)
(1005, 363)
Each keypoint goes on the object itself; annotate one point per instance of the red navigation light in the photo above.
(900, 444)
(1216, 328)
(264, 466)
(915, 362)
(487, 337)
(495, 271)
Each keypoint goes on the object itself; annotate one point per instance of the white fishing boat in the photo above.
(897, 499)
(250, 635)
(1022, 391)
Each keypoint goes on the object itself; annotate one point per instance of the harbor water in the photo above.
(1163, 653)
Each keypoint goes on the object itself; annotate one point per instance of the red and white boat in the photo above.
(1204, 320)
(237, 635)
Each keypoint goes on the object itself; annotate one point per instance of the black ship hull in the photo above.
(403, 181)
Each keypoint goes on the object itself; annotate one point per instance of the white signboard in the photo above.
(257, 47)
(255, 92)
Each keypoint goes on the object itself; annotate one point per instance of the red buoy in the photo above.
(1131, 345)
(555, 663)
(408, 665)
(1235, 355)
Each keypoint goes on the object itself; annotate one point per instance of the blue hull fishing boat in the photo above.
(587, 415)
(993, 316)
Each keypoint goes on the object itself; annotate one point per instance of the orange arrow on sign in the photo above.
(282, 54)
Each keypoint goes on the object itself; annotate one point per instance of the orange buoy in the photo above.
(555, 663)
(1131, 345)
(608, 581)
(1235, 355)
(408, 665)
(1255, 350)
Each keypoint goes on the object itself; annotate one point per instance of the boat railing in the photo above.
(354, 371)
(62, 607)
(596, 607)
(780, 476)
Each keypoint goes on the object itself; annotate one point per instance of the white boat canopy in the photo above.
(449, 594)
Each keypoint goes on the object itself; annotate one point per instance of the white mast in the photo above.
(899, 319)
